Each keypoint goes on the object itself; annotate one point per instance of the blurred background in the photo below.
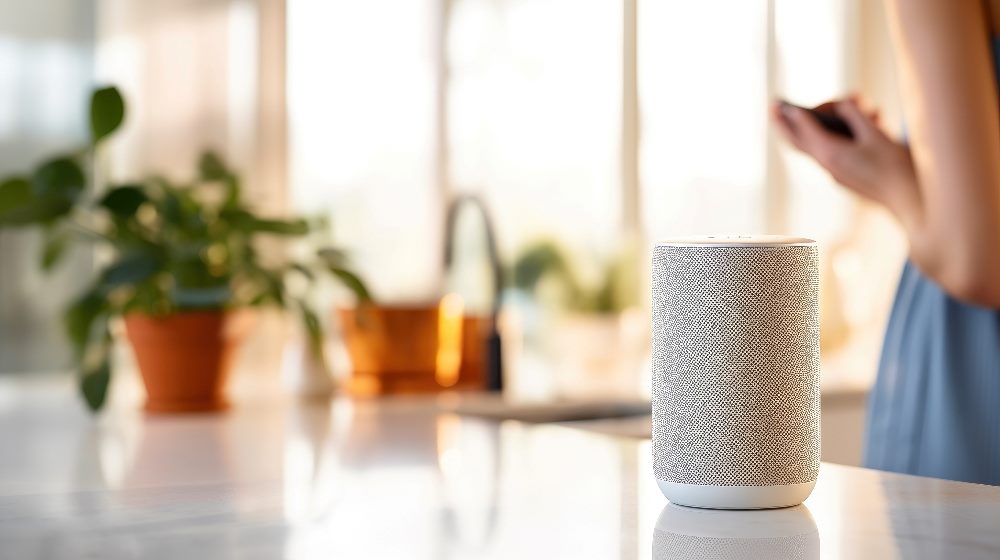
(587, 129)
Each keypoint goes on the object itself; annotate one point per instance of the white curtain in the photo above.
(46, 60)
(364, 123)
(198, 74)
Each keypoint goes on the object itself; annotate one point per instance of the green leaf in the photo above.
(304, 271)
(538, 261)
(53, 248)
(107, 111)
(180, 209)
(604, 297)
(148, 298)
(59, 177)
(249, 223)
(130, 269)
(233, 192)
(94, 383)
(80, 317)
(270, 284)
(15, 193)
(336, 261)
(124, 201)
(173, 206)
(212, 168)
(333, 257)
(353, 283)
(281, 227)
(93, 347)
(314, 332)
(190, 270)
(278, 227)
(20, 206)
(40, 210)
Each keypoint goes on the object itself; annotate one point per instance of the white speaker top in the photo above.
(737, 241)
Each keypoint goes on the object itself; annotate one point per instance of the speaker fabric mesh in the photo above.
(736, 365)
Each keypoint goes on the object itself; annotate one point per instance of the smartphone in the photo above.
(828, 119)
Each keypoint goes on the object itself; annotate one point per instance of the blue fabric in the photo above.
(996, 56)
(935, 408)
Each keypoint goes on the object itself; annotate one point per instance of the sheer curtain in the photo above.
(46, 60)
(363, 134)
(703, 96)
(534, 114)
(198, 74)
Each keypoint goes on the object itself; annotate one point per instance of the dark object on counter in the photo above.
(553, 411)
(493, 350)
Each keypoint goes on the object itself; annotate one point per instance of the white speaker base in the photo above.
(735, 497)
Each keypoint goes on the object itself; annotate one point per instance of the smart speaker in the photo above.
(696, 534)
(736, 371)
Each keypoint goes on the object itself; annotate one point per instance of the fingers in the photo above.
(855, 99)
(864, 125)
(811, 137)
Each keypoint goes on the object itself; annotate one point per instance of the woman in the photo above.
(935, 409)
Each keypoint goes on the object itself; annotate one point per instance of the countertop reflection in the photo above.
(695, 534)
(403, 478)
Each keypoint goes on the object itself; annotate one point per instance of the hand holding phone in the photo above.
(826, 118)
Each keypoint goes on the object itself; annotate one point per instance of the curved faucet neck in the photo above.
(492, 252)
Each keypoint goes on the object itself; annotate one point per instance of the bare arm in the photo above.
(944, 187)
(951, 107)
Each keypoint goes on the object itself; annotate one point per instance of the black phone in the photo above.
(828, 119)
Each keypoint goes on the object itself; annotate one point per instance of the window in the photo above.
(526, 103)
(362, 138)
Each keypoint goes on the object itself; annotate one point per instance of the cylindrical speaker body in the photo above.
(736, 371)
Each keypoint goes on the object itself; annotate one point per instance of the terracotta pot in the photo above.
(185, 357)
(398, 349)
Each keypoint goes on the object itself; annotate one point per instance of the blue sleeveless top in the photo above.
(935, 408)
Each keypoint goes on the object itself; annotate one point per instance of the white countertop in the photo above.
(400, 479)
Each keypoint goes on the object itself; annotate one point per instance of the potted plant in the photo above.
(416, 348)
(598, 334)
(184, 267)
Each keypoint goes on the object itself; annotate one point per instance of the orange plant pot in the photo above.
(398, 350)
(186, 357)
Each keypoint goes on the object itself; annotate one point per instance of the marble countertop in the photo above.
(405, 478)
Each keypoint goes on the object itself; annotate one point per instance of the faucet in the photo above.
(493, 354)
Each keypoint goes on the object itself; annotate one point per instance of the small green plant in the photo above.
(544, 270)
(174, 247)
